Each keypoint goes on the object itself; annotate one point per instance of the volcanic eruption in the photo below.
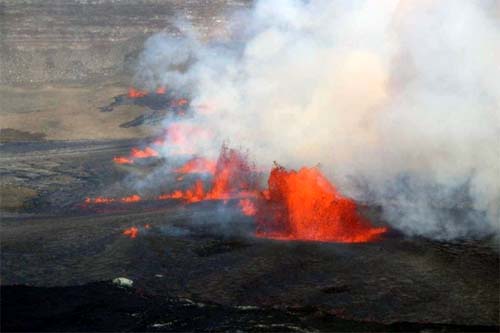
(302, 89)
(301, 205)
(369, 90)
(304, 205)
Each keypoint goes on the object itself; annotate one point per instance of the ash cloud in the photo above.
(399, 101)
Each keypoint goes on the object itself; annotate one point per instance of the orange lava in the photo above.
(136, 93)
(132, 198)
(145, 153)
(247, 207)
(136, 153)
(99, 200)
(233, 178)
(123, 160)
(193, 194)
(197, 165)
(304, 205)
(161, 90)
(132, 232)
(105, 200)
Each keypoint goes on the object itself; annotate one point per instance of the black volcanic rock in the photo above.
(104, 307)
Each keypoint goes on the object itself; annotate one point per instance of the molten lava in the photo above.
(132, 232)
(233, 178)
(105, 200)
(132, 198)
(298, 205)
(99, 200)
(136, 153)
(247, 207)
(197, 165)
(145, 153)
(122, 160)
(136, 93)
(304, 205)
(194, 194)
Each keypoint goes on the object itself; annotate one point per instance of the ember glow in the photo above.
(122, 160)
(132, 232)
(301, 205)
(135, 93)
(233, 178)
(197, 165)
(144, 153)
(105, 200)
(304, 205)
(99, 200)
(136, 153)
(132, 198)
(247, 207)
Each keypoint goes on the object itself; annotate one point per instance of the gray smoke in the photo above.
(399, 101)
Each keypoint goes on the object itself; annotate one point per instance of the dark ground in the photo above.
(87, 308)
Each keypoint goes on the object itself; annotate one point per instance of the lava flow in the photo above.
(137, 93)
(197, 165)
(132, 232)
(304, 205)
(135, 154)
(233, 178)
(106, 200)
(298, 205)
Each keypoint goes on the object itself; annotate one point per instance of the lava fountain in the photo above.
(304, 205)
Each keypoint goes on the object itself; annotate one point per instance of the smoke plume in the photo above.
(398, 101)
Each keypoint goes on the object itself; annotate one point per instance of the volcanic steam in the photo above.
(397, 100)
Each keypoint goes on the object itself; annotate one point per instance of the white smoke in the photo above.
(399, 101)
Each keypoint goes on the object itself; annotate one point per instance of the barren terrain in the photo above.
(61, 65)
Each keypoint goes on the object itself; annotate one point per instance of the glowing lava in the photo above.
(136, 93)
(145, 153)
(197, 165)
(99, 200)
(136, 153)
(132, 232)
(132, 198)
(106, 200)
(304, 205)
(247, 207)
(233, 178)
(123, 160)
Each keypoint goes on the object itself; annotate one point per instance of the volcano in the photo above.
(134, 199)
(304, 205)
